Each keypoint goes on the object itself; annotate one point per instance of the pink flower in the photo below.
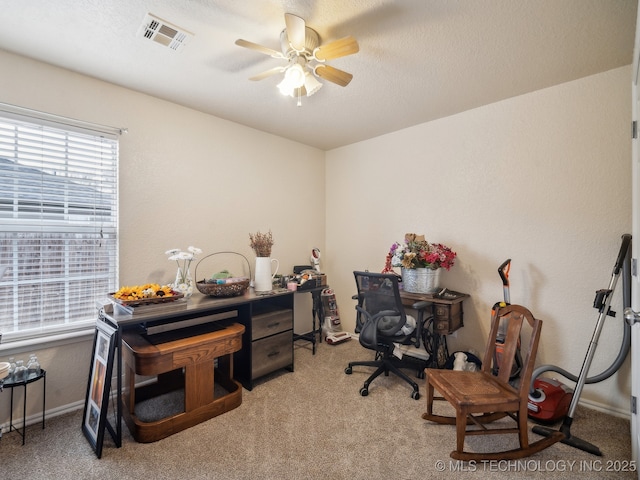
(416, 252)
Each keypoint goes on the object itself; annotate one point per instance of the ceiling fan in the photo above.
(305, 56)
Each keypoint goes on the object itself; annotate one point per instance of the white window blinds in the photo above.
(58, 224)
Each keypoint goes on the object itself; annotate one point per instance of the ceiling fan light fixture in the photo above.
(285, 87)
(295, 75)
(311, 85)
(294, 78)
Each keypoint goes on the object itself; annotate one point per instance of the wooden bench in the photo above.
(198, 361)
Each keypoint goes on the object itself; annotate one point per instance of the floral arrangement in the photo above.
(183, 259)
(416, 252)
(140, 292)
(261, 243)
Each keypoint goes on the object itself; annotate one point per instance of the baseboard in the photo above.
(616, 412)
(36, 418)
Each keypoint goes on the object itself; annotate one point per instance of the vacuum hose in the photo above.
(622, 354)
(623, 261)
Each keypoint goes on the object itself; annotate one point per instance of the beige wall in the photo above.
(543, 179)
(186, 178)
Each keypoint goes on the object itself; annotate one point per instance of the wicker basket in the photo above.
(225, 289)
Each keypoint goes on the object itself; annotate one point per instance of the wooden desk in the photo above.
(266, 345)
(448, 315)
(447, 318)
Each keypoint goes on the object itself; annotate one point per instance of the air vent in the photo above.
(163, 32)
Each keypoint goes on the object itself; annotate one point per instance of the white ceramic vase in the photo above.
(264, 274)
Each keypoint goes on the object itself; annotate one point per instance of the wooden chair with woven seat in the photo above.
(481, 398)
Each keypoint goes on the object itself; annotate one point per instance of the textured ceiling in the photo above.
(419, 60)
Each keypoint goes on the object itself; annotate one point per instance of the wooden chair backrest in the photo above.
(516, 316)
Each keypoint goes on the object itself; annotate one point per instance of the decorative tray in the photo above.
(146, 301)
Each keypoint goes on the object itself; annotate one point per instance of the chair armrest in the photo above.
(421, 305)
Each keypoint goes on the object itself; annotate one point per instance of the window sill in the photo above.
(48, 341)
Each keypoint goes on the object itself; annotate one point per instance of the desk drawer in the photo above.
(266, 324)
(272, 353)
(448, 318)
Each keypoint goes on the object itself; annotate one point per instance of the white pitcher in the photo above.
(264, 277)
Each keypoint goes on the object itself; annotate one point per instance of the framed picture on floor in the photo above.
(96, 403)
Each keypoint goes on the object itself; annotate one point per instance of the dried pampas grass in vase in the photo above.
(261, 243)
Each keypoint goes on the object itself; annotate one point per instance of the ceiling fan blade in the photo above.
(295, 31)
(254, 46)
(333, 75)
(338, 48)
(268, 73)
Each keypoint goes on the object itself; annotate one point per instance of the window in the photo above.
(58, 224)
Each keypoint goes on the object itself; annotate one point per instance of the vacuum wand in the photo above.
(603, 303)
(604, 310)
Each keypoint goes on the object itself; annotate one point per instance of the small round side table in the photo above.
(12, 384)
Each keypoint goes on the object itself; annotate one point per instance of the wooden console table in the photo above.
(181, 362)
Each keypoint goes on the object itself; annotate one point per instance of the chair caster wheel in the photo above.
(415, 395)
(348, 370)
(364, 391)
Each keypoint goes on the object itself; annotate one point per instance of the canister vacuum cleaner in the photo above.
(549, 399)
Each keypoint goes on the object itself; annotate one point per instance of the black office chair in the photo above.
(380, 320)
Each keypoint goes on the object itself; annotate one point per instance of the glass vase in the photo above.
(184, 283)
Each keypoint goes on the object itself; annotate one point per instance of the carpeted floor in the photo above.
(312, 424)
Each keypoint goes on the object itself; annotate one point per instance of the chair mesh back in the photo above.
(377, 293)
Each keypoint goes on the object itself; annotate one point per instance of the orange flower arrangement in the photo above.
(140, 292)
